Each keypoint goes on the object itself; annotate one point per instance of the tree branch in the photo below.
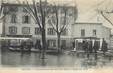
(52, 25)
(65, 19)
(29, 12)
(106, 18)
(35, 14)
(56, 13)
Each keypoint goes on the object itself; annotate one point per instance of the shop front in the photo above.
(83, 43)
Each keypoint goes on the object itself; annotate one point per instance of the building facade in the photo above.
(91, 30)
(18, 23)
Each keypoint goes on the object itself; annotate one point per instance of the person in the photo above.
(104, 46)
(90, 46)
(40, 49)
(22, 45)
(73, 44)
(29, 45)
(85, 46)
(38, 46)
(62, 47)
(96, 46)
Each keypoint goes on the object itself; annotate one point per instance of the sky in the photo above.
(87, 9)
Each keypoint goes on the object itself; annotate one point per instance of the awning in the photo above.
(20, 36)
(13, 38)
(86, 38)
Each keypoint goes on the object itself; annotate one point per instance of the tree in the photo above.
(3, 13)
(38, 11)
(1, 9)
(102, 13)
(59, 20)
(105, 9)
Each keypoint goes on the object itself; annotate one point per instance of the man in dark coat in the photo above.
(104, 46)
(38, 45)
(73, 44)
(29, 45)
(96, 46)
(85, 46)
(22, 45)
(90, 46)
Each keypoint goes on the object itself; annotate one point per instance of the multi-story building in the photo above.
(18, 23)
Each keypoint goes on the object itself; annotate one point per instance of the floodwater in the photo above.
(81, 61)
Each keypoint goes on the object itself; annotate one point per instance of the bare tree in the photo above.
(102, 13)
(38, 11)
(105, 9)
(60, 14)
(3, 13)
(1, 9)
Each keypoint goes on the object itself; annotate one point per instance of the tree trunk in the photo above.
(3, 26)
(43, 43)
(58, 42)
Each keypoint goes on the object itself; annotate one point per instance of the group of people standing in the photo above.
(26, 45)
(29, 44)
(93, 46)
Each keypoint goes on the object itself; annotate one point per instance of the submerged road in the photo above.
(18, 59)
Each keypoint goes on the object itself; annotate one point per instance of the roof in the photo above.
(17, 4)
(88, 23)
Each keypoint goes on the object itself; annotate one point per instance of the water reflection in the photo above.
(23, 59)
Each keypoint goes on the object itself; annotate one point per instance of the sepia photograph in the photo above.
(56, 34)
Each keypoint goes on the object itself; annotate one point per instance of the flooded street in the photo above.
(18, 59)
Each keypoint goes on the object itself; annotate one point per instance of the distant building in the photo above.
(82, 30)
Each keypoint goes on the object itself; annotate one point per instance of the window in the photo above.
(51, 43)
(37, 31)
(62, 10)
(51, 9)
(64, 32)
(62, 20)
(13, 18)
(38, 41)
(51, 31)
(71, 12)
(82, 32)
(52, 20)
(25, 10)
(63, 42)
(26, 19)
(13, 30)
(94, 32)
(26, 30)
(49, 22)
(13, 8)
(6, 10)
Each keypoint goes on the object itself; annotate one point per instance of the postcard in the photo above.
(56, 36)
